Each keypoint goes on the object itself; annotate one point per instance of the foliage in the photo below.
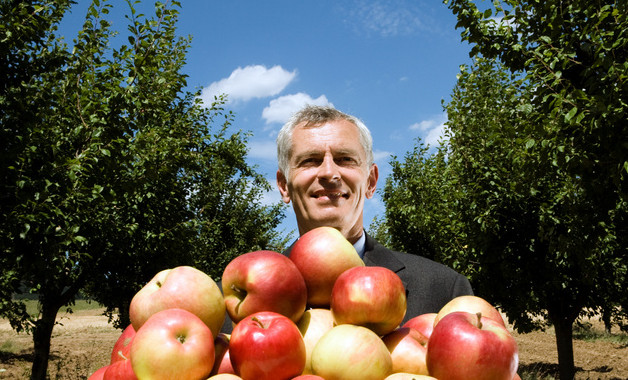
(537, 162)
(574, 55)
(489, 201)
(110, 170)
(417, 223)
(573, 58)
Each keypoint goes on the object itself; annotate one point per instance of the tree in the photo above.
(572, 57)
(110, 170)
(507, 215)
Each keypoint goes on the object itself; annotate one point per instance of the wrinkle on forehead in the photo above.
(326, 140)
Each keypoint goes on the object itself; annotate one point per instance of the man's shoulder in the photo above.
(412, 268)
(379, 252)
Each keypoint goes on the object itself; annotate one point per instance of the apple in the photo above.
(122, 347)
(469, 346)
(120, 363)
(173, 343)
(308, 377)
(470, 304)
(120, 370)
(225, 376)
(321, 255)
(263, 281)
(408, 376)
(423, 323)
(182, 287)
(222, 359)
(98, 374)
(350, 351)
(407, 349)
(373, 297)
(267, 346)
(313, 325)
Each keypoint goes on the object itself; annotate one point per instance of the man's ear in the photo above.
(282, 184)
(372, 181)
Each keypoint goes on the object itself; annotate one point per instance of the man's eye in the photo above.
(309, 161)
(346, 160)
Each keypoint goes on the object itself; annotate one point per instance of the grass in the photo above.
(585, 331)
(10, 347)
(32, 307)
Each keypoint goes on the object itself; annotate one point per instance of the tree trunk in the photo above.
(606, 318)
(42, 334)
(563, 327)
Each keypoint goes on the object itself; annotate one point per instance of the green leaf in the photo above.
(571, 114)
(530, 143)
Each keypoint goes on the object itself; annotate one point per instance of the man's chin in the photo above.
(334, 221)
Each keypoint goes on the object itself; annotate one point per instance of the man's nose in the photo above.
(329, 169)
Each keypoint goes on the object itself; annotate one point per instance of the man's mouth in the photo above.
(330, 195)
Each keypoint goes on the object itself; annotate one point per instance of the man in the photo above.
(326, 171)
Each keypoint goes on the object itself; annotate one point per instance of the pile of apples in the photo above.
(318, 314)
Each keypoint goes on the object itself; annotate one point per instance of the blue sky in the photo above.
(390, 63)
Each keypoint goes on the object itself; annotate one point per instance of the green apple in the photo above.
(182, 287)
(347, 352)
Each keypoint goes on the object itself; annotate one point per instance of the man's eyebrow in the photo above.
(317, 153)
(307, 154)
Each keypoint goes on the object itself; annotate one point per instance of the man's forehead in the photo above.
(340, 136)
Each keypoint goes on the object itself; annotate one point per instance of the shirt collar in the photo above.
(360, 245)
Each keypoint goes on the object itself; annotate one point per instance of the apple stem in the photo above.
(238, 290)
(479, 315)
(259, 323)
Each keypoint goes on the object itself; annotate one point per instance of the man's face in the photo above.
(329, 178)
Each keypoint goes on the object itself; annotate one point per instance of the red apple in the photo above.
(173, 344)
(263, 281)
(321, 255)
(98, 374)
(470, 346)
(308, 377)
(470, 304)
(120, 370)
(407, 349)
(373, 297)
(408, 376)
(313, 325)
(225, 376)
(222, 361)
(122, 347)
(267, 346)
(423, 323)
(185, 288)
(349, 352)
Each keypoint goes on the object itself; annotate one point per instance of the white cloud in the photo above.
(279, 110)
(379, 155)
(254, 81)
(271, 197)
(266, 150)
(387, 18)
(432, 131)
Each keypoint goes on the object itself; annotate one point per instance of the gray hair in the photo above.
(317, 116)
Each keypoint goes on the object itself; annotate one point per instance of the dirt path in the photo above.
(83, 343)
